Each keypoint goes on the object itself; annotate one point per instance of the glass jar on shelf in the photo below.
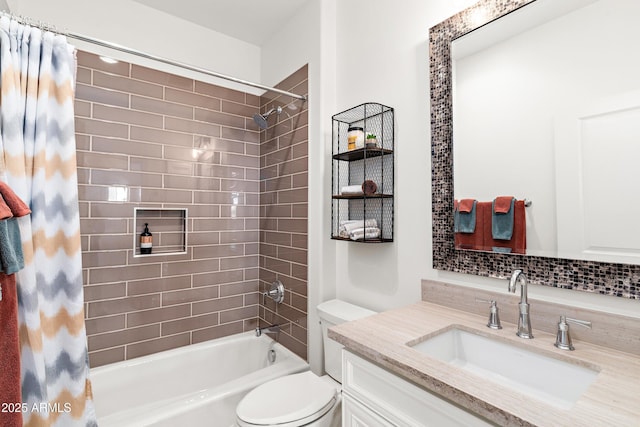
(355, 138)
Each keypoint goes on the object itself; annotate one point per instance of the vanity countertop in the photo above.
(613, 399)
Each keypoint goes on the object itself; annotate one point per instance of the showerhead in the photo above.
(261, 119)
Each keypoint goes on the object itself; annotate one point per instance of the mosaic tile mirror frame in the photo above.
(598, 277)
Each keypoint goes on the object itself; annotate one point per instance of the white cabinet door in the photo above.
(398, 401)
(598, 180)
(356, 415)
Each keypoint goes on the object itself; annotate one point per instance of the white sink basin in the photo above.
(554, 381)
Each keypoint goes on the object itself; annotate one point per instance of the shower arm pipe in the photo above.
(179, 64)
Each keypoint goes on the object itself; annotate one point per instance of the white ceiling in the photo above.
(253, 21)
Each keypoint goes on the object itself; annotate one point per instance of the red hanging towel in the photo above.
(10, 386)
(502, 204)
(465, 205)
(16, 205)
(10, 382)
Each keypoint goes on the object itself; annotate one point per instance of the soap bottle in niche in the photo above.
(146, 240)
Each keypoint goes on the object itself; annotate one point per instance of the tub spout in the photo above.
(273, 329)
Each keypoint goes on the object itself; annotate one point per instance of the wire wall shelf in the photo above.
(362, 205)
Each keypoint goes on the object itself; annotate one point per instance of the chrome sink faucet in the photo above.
(524, 321)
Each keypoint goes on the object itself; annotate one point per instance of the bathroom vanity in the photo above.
(375, 397)
(390, 379)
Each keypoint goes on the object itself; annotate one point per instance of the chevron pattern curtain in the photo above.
(37, 145)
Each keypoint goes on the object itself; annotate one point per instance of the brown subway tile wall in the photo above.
(283, 207)
(150, 139)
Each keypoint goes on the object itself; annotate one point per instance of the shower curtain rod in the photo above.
(179, 64)
(114, 46)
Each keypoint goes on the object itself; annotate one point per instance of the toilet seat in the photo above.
(288, 401)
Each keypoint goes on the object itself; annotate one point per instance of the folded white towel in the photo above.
(348, 226)
(352, 190)
(365, 233)
(359, 223)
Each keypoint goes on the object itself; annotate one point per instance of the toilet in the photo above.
(304, 399)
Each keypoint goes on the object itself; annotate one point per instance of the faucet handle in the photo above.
(563, 339)
(276, 292)
(584, 323)
(494, 317)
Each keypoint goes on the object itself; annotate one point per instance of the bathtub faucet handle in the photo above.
(276, 293)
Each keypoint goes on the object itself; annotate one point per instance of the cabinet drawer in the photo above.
(356, 415)
(399, 401)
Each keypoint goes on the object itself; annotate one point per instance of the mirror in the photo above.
(538, 114)
(566, 270)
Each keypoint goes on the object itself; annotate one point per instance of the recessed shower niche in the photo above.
(168, 228)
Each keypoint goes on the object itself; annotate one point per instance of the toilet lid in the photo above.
(286, 400)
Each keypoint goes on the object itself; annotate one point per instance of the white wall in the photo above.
(382, 55)
(392, 41)
(141, 28)
(309, 38)
(336, 47)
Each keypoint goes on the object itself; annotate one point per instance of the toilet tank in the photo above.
(334, 312)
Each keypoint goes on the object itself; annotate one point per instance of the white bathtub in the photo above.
(196, 385)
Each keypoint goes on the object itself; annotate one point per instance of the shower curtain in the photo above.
(37, 161)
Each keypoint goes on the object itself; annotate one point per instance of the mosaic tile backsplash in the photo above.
(605, 278)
